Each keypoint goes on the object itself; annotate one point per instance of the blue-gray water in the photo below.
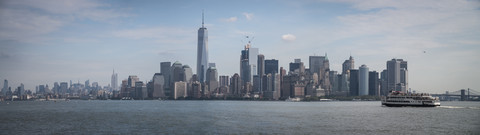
(234, 117)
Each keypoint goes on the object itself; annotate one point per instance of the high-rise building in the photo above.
(347, 65)
(165, 69)
(5, 87)
(178, 73)
(383, 83)
(187, 73)
(261, 65)
(271, 66)
(297, 66)
(363, 81)
(373, 83)
(158, 82)
(248, 63)
(180, 90)
(114, 81)
(131, 81)
(236, 85)
(202, 52)
(257, 86)
(354, 76)
(395, 67)
(211, 81)
(316, 63)
(224, 80)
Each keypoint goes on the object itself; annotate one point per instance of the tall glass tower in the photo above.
(202, 52)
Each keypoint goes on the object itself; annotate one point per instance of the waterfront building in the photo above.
(373, 83)
(202, 52)
(236, 85)
(196, 91)
(363, 80)
(383, 83)
(180, 90)
(158, 82)
(5, 87)
(165, 70)
(394, 75)
(354, 82)
(211, 81)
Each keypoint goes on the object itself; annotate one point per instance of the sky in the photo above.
(42, 42)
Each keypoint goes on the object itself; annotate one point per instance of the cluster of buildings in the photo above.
(258, 78)
(263, 78)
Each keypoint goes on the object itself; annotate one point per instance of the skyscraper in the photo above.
(166, 72)
(354, 82)
(395, 69)
(202, 52)
(271, 66)
(347, 65)
(211, 79)
(363, 80)
(5, 87)
(373, 83)
(114, 82)
(158, 82)
(316, 63)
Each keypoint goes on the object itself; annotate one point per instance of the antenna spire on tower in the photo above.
(203, 19)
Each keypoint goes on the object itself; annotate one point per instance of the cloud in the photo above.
(30, 20)
(248, 16)
(231, 19)
(289, 37)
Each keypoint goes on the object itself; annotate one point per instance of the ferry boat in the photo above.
(397, 98)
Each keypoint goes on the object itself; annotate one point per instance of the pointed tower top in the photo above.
(326, 57)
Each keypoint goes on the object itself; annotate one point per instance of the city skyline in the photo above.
(39, 47)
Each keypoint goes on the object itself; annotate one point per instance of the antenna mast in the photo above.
(203, 19)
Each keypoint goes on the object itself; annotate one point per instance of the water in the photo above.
(234, 117)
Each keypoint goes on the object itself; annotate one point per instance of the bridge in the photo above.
(459, 95)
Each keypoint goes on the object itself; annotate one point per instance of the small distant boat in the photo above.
(323, 99)
(297, 99)
(397, 99)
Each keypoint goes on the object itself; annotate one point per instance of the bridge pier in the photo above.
(462, 95)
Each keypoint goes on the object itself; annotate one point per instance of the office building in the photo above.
(373, 83)
(202, 52)
(180, 90)
(354, 82)
(347, 65)
(363, 80)
(113, 83)
(271, 66)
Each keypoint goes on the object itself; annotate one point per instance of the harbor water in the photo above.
(234, 117)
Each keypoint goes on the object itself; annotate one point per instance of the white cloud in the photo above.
(248, 16)
(30, 20)
(289, 37)
(231, 19)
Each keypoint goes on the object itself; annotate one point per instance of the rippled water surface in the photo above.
(234, 117)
